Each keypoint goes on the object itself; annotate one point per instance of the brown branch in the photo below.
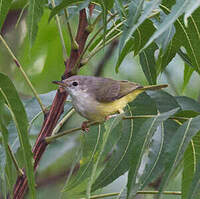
(81, 37)
(56, 109)
(106, 57)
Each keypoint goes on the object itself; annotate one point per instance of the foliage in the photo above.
(157, 139)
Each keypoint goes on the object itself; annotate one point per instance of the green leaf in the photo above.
(164, 39)
(170, 127)
(129, 46)
(110, 33)
(120, 8)
(62, 5)
(191, 182)
(5, 141)
(141, 146)
(105, 5)
(192, 6)
(8, 166)
(35, 12)
(185, 58)
(147, 61)
(187, 103)
(188, 71)
(137, 41)
(176, 11)
(164, 101)
(123, 137)
(142, 35)
(194, 192)
(19, 116)
(4, 8)
(177, 146)
(184, 37)
(109, 126)
(191, 159)
(90, 146)
(134, 21)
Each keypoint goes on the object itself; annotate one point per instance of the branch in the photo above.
(50, 139)
(57, 107)
(81, 37)
(139, 192)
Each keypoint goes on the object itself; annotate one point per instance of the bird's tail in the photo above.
(154, 87)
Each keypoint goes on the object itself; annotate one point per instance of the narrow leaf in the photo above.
(21, 122)
(141, 143)
(35, 12)
(191, 170)
(129, 46)
(176, 11)
(192, 6)
(164, 101)
(124, 135)
(109, 126)
(177, 146)
(5, 142)
(184, 37)
(191, 159)
(147, 61)
(188, 71)
(188, 104)
(62, 5)
(160, 164)
(137, 41)
(133, 22)
(194, 192)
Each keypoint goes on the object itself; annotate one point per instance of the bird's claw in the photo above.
(85, 127)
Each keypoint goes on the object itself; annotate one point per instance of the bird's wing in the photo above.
(127, 87)
(111, 90)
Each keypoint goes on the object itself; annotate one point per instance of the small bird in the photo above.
(97, 98)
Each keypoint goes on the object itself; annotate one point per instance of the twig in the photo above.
(139, 192)
(19, 170)
(21, 14)
(64, 119)
(96, 50)
(79, 61)
(151, 116)
(106, 57)
(23, 74)
(60, 32)
(54, 137)
(74, 44)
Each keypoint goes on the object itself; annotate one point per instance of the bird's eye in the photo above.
(75, 83)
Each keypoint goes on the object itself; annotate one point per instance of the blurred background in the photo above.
(43, 63)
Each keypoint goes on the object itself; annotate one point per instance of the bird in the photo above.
(98, 98)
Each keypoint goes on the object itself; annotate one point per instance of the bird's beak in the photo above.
(61, 83)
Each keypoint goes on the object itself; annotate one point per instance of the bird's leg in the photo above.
(85, 125)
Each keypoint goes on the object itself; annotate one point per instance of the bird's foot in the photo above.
(85, 127)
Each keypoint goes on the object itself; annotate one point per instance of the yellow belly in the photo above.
(109, 108)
